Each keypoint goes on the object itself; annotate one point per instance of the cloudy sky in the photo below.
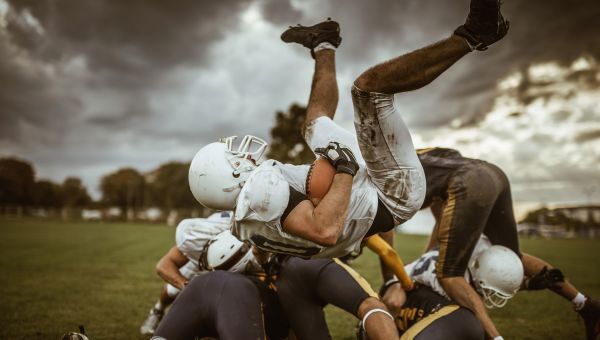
(90, 86)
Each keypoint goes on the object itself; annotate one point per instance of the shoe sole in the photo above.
(313, 31)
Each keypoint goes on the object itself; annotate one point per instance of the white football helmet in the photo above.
(497, 274)
(218, 172)
(225, 252)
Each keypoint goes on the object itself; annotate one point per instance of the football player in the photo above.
(223, 303)
(468, 198)
(180, 264)
(495, 272)
(220, 304)
(378, 175)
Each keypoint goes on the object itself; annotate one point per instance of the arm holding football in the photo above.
(323, 223)
(168, 267)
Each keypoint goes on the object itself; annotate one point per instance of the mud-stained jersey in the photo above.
(265, 197)
(193, 234)
(423, 269)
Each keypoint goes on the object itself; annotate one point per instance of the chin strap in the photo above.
(374, 310)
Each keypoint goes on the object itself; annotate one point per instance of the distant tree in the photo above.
(16, 182)
(169, 187)
(74, 194)
(124, 189)
(287, 143)
(47, 194)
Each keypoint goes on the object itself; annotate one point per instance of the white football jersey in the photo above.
(422, 270)
(193, 234)
(264, 198)
(191, 237)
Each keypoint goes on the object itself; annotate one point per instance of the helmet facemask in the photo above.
(218, 171)
(225, 252)
(491, 297)
(246, 158)
(497, 274)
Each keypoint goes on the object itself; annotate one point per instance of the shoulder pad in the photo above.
(265, 195)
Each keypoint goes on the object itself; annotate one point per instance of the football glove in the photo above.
(340, 156)
(546, 278)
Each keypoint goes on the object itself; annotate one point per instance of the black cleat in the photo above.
(591, 318)
(485, 24)
(311, 36)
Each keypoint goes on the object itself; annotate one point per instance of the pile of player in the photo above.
(266, 266)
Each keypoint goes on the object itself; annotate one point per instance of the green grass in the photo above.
(55, 276)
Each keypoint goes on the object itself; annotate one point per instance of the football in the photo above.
(319, 179)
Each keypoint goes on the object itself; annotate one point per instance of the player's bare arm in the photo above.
(168, 267)
(386, 272)
(437, 207)
(323, 223)
(539, 274)
(459, 290)
(395, 296)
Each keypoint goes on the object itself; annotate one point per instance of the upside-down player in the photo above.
(378, 176)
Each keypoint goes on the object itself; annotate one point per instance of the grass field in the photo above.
(55, 276)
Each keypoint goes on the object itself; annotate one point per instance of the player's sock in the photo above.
(578, 301)
(324, 46)
(159, 306)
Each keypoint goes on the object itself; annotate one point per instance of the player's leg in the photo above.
(318, 128)
(415, 69)
(501, 226)
(472, 193)
(484, 26)
(199, 309)
(343, 287)
(324, 94)
(239, 314)
(296, 288)
(322, 39)
(384, 139)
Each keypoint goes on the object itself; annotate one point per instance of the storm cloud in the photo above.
(89, 86)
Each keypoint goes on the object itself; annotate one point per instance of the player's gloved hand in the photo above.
(340, 156)
(546, 278)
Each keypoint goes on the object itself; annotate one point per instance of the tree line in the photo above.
(166, 187)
